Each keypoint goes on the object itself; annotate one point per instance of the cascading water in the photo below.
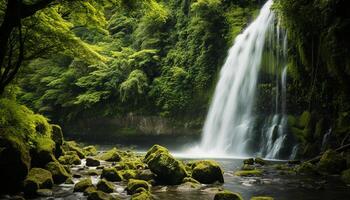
(230, 125)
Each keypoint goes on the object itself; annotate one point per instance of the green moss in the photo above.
(69, 160)
(43, 152)
(227, 195)
(111, 156)
(99, 195)
(331, 162)
(345, 176)
(207, 172)
(145, 175)
(89, 190)
(153, 150)
(57, 137)
(144, 195)
(73, 146)
(255, 172)
(105, 186)
(304, 119)
(59, 173)
(262, 198)
(306, 168)
(90, 150)
(37, 179)
(111, 174)
(249, 161)
(128, 174)
(82, 185)
(134, 184)
(191, 180)
(259, 161)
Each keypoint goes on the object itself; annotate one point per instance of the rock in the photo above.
(255, 172)
(69, 181)
(111, 174)
(331, 162)
(168, 169)
(259, 161)
(82, 185)
(69, 160)
(191, 180)
(89, 190)
(247, 167)
(73, 146)
(189, 186)
(145, 175)
(304, 119)
(92, 162)
(227, 195)
(306, 168)
(249, 161)
(57, 137)
(59, 173)
(93, 172)
(144, 195)
(261, 198)
(37, 179)
(134, 184)
(105, 186)
(14, 159)
(207, 172)
(345, 176)
(128, 174)
(110, 156)
(44, 192)
(90, 150)
(99, 195)
(43, 152)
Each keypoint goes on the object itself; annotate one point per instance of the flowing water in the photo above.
(231, 127)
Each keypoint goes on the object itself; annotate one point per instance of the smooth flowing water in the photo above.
(230, 127)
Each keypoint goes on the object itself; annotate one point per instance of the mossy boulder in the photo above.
(145, 175)
(143, 195)
(99, 195)
(92, 162)
(44, 192)
(43, 152)
(262, 198)
(134, 184)
(82, 185)
(89, 190)
(249, 161)
(345, 176)
(168, 169)
(128, 174)
(304, 119)
(90, 150)
(227, 195)
(110, 156)
(73, 146)
(254, 172)
(259, 161)
(306, 168)
(59, 173)
(331, 162)
(111, 174)
(191, 180)
(105, 186)
(37, 178)
(69, 159)
(207, 172)
(57, 137)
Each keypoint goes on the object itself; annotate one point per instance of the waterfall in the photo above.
(229, 126)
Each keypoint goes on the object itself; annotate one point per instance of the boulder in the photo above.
(331, 162)
(57, 137)
(134, 184)
(89, 190)
(44, 192)
(110, 156)
(168, 169)
(128, 174)
(99, 195)
(345, 176)
(259, 161)
(69, 160)
(145, 175)
(254, 172)
(92, 162)
(43, 152)
(82, 185)
(90, 150)
(261, 198)
(207, 172)
(227, 195)
(111, 174)
(306, 168)
(37, 179)
(249, 161)
(59, 173)
(142, 195)
(73, 146)
(105, 186)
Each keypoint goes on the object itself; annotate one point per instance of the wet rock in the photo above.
(247, 167)
(82, 185)
(111, 174)
(207, 172)
(99, 195)
(168, 169)
(57, 137)
(105, 186)
(58, 172)
(259, 161)
(90, 150)
(189, 186)
(69, 181)
(134, 184)
(191, 180)
(69, 160)
(128, 174)
(44, 192)
(331, 162)
(261, 198)
(37, 179)
(110, 156)
(93, 172)
(345, 176)
(92, 162)
(89, 190)
(73, 146)
(77, 175)
(306, 168)
(142, 195)
(249, 161)
(227, 195)
(43, 152)
(255, 172)
(145, 175)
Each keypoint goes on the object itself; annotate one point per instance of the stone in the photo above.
(90, 150)
(37, 179)
(57, 137)
(110, 156)
(261, 198)
(73, 146)
(255, 172)
(144, 195)
(82, 185)
(44, 192)
(207, 172)
(111, 174)
(145, 175)
(259, 161)
(105, 186)
(134, 184)
(69, 160)
(227, 195)
(306, 168)
(249, 161)
(59, 173)
(331, 162)
(92, 162)
(99, 195)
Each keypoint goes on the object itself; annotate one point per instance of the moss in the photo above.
(111, 156)
(227, 195)
(304, 119)
(345, 176)
(144, 195)
(306, 168)
(259, 161)
(44, 192)
(73, 146)
(145, 175)
(89, 190)
(249, 161)
(99, 195)
(37, 179)
(331, 162)
(57, 137)
(168, 169)
(69, 160)
(111, 174)
(128, 174)
(134, 184)
(191, 180)
(255, 172)
(90, 150)
(207, 172)
(262, 198)
(82, 185)
(247, 167)
(92, 162)
(105, 186)
(59, 173)
(43, 152)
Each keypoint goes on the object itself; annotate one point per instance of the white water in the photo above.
(228, 129)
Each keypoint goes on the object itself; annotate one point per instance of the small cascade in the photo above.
(231, 127)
